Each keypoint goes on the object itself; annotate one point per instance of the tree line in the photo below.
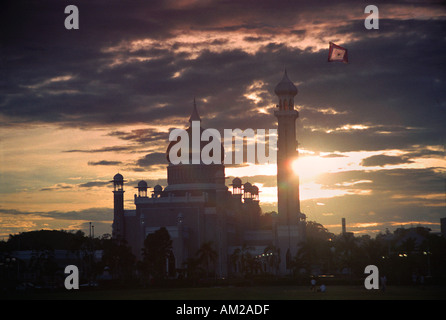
(404, 256)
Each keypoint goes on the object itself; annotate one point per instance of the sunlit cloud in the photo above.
(47, 82)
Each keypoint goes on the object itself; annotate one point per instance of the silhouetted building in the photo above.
(197, 207)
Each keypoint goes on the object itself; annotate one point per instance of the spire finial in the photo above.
(194, 116)
(285, 76)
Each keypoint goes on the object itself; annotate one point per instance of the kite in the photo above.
(337, 53)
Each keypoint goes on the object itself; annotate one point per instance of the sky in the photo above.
(77, 106)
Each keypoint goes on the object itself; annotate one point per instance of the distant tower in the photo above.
(118, 231)
(344, 229)
(142, 189)
(237, 188)
(247, 188)
(291, 222)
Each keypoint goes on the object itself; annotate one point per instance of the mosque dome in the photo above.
(157, 188)
(285, 86)
(118, 177)
(237, 183)
(142, 184)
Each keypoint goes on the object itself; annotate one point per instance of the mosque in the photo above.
(197, 207)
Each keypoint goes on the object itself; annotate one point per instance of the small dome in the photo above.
(285, 87)
(142, 184)
(247, 187)
(118, 177)
(237, 183)
(157, 188)
(255, 190)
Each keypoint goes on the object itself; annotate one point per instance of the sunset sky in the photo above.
(78, 106)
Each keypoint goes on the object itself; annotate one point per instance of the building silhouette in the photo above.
(197, 207)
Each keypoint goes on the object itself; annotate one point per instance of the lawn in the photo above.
(247, 293)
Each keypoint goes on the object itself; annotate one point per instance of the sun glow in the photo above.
(309, 166)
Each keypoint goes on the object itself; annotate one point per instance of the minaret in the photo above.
(289, 230)
(118, 231)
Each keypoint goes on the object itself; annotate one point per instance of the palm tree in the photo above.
(301, 260)
(243, 260)
(272, 258)
(207, 255)
(248, 264)
(235, 259)
(156, 252)
(193, 268)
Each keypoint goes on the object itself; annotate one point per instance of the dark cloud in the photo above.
(152, 159)
(333, 155)
(59, 186)
(382, 160)
(92, 214)
(91, 184)
(410, 182)
(370, 139)
(142, 136)
(425, 153)
(104, 163)
(64, 186)
(104, 149)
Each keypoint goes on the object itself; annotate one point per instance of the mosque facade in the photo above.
(197, 207)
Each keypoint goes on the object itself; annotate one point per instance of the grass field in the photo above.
(246, 293)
